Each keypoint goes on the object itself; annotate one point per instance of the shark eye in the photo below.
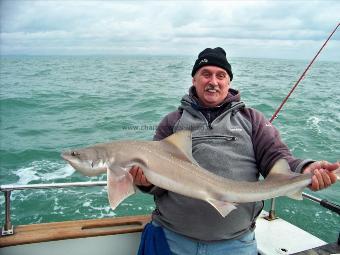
(73, 153)
(92, 164)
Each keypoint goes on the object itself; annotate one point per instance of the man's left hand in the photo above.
(323, 176)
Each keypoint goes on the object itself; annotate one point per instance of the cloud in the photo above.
(247, 28)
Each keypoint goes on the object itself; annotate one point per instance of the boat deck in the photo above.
(327, 249)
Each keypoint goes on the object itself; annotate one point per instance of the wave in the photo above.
(314, 122)
(42, 171)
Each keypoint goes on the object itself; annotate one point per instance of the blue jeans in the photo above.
(182, 245)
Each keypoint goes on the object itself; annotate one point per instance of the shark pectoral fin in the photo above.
(296, 195)
(223, 207)
(119, 186)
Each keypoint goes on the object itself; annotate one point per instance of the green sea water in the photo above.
(52, 103)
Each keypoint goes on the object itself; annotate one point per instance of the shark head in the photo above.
(87, 161)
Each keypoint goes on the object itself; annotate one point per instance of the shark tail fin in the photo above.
(119, 186)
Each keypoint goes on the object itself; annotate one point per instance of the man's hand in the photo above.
(323, 176)
(138, 177)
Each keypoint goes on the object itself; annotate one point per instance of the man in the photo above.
(229, 140)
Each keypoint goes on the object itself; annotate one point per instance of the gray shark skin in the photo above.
(169, 164)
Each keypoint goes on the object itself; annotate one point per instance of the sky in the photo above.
(293, 29)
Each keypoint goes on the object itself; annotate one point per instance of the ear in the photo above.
(194, 81)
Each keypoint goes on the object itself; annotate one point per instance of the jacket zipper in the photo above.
(225, 137)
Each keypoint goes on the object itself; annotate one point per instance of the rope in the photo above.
(275, 115)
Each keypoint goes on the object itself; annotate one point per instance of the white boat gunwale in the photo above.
(54, 231)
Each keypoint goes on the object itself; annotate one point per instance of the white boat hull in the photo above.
(120, 244)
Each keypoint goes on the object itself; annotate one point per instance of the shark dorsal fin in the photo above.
(281, 172)
(281, 167)
(182, 142)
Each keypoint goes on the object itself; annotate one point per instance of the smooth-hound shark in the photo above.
(169, 164)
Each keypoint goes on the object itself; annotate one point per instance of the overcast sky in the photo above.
(277, 29)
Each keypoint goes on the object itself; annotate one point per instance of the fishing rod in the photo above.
(275, 115)
(323, 202)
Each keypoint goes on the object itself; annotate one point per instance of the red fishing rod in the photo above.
(275, 115)
(325, 203)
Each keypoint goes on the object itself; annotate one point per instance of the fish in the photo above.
(169, 164)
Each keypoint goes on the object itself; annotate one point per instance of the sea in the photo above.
(49, 104)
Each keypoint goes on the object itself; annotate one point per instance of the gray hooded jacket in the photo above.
(231, 141)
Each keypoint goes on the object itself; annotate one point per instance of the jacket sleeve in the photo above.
(164, 129)
(166, 126)
(268, 146)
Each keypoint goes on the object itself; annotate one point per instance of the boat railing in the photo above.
(7, 229)
(323, 202)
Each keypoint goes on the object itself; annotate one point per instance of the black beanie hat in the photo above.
(212, 57)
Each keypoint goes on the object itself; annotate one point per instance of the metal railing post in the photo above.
(272, 214)
(7, 229)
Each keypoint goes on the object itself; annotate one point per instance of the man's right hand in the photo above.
(138, 177)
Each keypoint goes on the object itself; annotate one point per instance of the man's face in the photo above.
(212, 84)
